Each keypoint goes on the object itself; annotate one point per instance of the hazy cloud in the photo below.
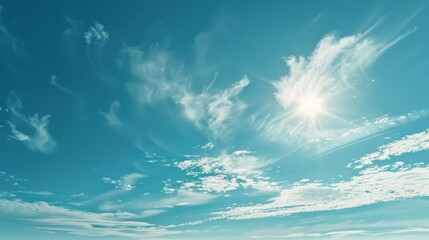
(34, 131)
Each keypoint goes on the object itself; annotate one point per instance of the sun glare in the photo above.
(310, 106)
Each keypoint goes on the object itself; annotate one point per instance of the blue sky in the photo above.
(214, 120)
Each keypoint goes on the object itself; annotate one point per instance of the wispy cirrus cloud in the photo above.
(80, 104)
(156, 74)
(372, 185)
(179, 198)
(12, 48)
(48, 217)
(159, 76)
(34, 132)
(214, 111)
(335, 66)
(111, 117)
(364, 233)
(409, 144)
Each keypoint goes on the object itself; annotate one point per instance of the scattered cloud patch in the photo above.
(238, 162)
(167, 187)
(226, 172)
(208, 146)
(126, 182)
(96, 33)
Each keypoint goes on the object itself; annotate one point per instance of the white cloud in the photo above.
(181, 197)
(96, 33)
(208, 146)
(218, 183)
(156, 75)
(111, 116)
(373, 185)
(159, 76)
(327, 139)
(226, 172)
(239, 163)
(215, 111)
(336, 65)
(35, 133)
(126, 182)
(45, 216)
(409, 144)
(331, 139)
(167, 187)
(40, 193)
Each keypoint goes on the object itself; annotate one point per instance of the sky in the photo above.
(214, 119)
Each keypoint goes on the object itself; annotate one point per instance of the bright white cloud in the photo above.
(96, 33)
(336, 65)
(373, 185)
(34, 131)
(409, 144)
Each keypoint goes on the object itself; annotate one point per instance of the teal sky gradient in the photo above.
(214, 120)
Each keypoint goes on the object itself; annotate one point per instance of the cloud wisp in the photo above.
(96, 38)
(12, 54)
(48, 217)
(214, 111)
(158, 76)
(111, 117)
(80, 104)
(34, 133)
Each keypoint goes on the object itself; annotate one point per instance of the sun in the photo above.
(310, 106)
